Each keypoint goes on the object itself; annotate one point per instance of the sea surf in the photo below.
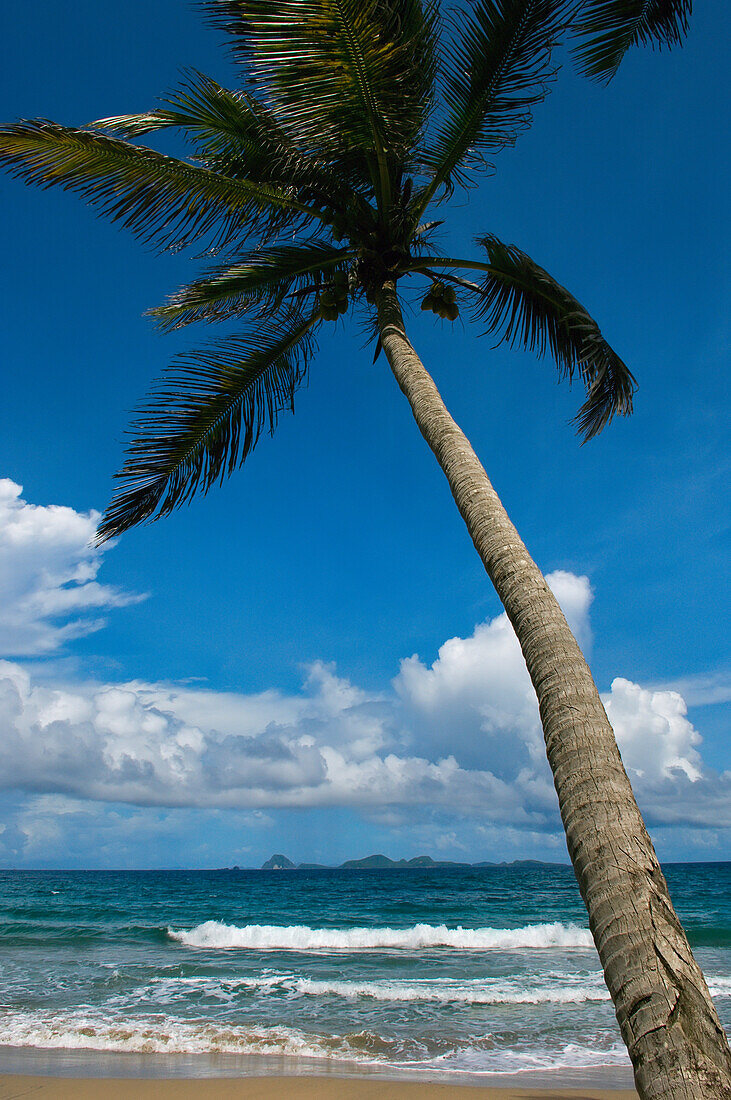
(447, 973)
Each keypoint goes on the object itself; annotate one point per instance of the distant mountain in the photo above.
(279, 863)
(528, 863)
(372, 863)
(380, 862)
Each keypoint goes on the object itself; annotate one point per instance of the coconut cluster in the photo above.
(334, 298)
(442, 300)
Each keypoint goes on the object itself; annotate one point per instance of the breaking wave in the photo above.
(158, 1035)
(555, 989)
(272, 937)
(445, 992)
(479, 991)
(482, 1054)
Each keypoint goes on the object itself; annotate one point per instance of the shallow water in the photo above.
(474, 972)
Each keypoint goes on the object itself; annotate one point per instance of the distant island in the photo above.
(378, 862)
(279, 863)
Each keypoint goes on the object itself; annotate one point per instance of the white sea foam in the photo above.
(567, 989)
(569, 1056)
(475, 992)
(165, 1035)
(555, 988)
(157, 1035)
(719, 987)
(272, 937)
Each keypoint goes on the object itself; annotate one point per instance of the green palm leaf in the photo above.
(498, 68)
(232, 133)
(339, 74)
(205, 416)
(161, 199)
(608, 28)
(261, 281)
(528, 307)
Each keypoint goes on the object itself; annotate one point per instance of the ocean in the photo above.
(468, 974)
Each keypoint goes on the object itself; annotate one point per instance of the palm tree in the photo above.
(313, 185)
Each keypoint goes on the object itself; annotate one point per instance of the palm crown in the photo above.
(313, 187)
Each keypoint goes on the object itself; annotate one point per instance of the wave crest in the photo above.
(476, 991)
(299, 937)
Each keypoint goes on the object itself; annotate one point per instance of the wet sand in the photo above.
(275, 1088)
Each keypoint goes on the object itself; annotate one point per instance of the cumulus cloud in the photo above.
(460, 737)
(331, 745)
(656, 739)
(477, 696)
(457, 738)
(48, 588)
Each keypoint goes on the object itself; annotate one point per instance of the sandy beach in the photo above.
(276, 1088)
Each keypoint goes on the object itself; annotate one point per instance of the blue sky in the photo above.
(279, 609)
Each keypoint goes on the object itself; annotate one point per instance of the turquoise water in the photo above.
(432, 972)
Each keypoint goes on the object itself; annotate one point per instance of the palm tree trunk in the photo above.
(665, 1012)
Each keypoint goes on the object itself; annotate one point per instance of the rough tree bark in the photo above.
(667, 1018)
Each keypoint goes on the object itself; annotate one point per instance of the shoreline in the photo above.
(79, 1074)
(83, 1063)
(12, 1087)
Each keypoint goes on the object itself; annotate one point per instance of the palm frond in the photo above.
(608, 28)
(499, 66)
(338, 73)
(261, 281)
(163, 200)
(235, 134)
(202, 107)
(205, 416)
(523, 303)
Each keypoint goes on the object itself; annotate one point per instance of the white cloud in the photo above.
(460, 737)
(477, 696)
(331, 745)
(48, 569)
(655, 737)
(457, 738)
